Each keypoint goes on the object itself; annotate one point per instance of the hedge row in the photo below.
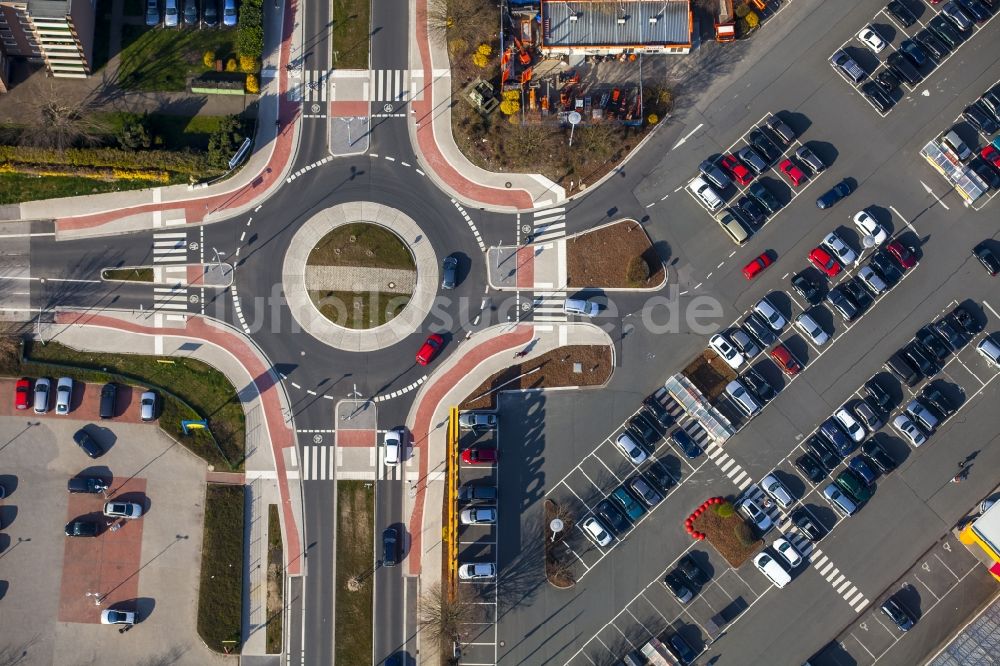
(114, 158)
(250, 30)
(105, 174)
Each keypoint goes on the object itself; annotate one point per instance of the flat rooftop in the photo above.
(626, 23)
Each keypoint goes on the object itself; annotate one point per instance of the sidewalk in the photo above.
(270, 445)
(434, 143)
(260, 176)
(487, 352)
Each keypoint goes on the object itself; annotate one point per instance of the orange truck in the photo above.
(725, 25)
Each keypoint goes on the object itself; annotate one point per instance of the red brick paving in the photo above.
(85, 405)
(526, 267)
(278, 431)
(429, 150)
(109, 564)
(356, 438)
(349, 108)
(429, 401)
(235, 478)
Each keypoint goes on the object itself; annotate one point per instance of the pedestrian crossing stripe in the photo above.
(548, 306)
(318, 463)
(389, 85)
(549, 224)
(170, 247)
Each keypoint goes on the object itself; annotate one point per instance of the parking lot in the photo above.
(892, 33)
(148, 565)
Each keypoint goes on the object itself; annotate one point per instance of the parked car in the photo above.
(675, 584)
(190, 12)
(763, 145)
(764, 197)
(721, 346)
(742, 398)
(751, 212)
(480, 571)
(987, 173)
(777, 491)
(757, 385)
(792, 172)
(834, 194)
(872, 281)
(152, 12)
(977, 9)
(109, 401)
(597, 532)
(121, 509)
(756, 325)
(839, 248)
(630, 505)
(898, 613)
(811, 328)
(774, 571)
(64, 395)
(958, 17)
(859, 292)
(681, 649)
(685, 443)
(87, 443)
(932, 343)
(824, 451)
(932, 396)
(43, 386)
(905, 256)
(945, 31)
(627, 445)
(471, 492)
(660, 477)
(878, 455)
(875, 92)
(478, 515)
(171, 16)
(868, 226)
(887, 267)
(751, 158)
(229, 13)
(805, 155)
(780, 129)
(830, 430)
(692, 572)
(810, 467)
(855, 486)
(210, 13)
(784, 359)
(805, 287)
(431, 347)
(736, 169)
(477, 420)
(644, 490)
(22, 393)
(704, 193)
(901, 366)
(932, 44)
(658, 411)
(808, 525)
(766, 309)
(82, 528)
(850, 425)
(980, 118)
(746, 344)
(968, 321)
(953, 142)
(867, 415)
(877, 393)
(909, 430)
(788, 552)
(756, 515)
(902, 66)
(919, 412)
(843, 303)
(147, 406)
(822, 260)
(645, 429)
(888, 82)
(870, 38)
(861, 467)
(840, 501)
(479, 455)
(112, 616)
(86, 484)
(897, 10)
(612, 517)
(714, 174)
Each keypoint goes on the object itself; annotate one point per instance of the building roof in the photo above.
(987, 527)
(49, 8)
(597, 22)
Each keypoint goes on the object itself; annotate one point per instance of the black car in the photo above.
(898, 614)
(987, 173)
(109, 400)
(449, 272)
(914, 52)
(692, 571)
(834, 194)
(82, 528)
(919, 359)
(86, 484)
(844, 304)
(390, 547)
(190, 12)
(886, 267)
(811, 467)
(661, 478)
(764, 197)
(210, 13)
(685, 443)
(946, 31)
(824, 452)
(757, 385)
(985, 255)
(930, 341)
(87, 443)
(932, 44)
(656, 409)
(900, 65)
(648, 433)
(880, 397)
(887, 81)
(976, 10)
(612, 518)
(764, 146)
(808, 525)
(878, 455)
(806, 288)
(752, 211)
(760, 329)
(950, 331)
(937, 400)
(856, 289)
(676, 585)
(991, 100)
(899, 11)
(684, 652)
(874, 93)
(979, 118)
(966, 320)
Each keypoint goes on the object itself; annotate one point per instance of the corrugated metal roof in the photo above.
(597, 22)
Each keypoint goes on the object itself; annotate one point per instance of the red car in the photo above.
(430, 349)
(736, 168)
(793, 172)
(903, 255)
(991, 155)
(784, 358)
(22, 393)
(753, 269)
(479, 456)
(823, 261)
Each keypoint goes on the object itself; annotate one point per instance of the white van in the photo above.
(772, 569)
(990, 351)
(701, 189)
(581, 307)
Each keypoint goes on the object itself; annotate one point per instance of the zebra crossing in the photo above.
(170, 247)
(170, 258)
(389, 85)
(548, 224)
(548, 306)
(315, 85)
(318, 462)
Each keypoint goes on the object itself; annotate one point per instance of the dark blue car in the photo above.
(832, 432)
(685, 443)
(834, 194)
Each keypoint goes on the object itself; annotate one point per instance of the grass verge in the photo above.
(355, 554)
(350, 39)
(206, 390)
(275, 580)
(604, 258)
(358, 310)
(362, 244)
(220, 594)
(15, 187)
(550, 370)
(160, 59)
(128, 274)
(177, 132)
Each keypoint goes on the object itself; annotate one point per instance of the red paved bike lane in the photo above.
(429, 401)
(279, 434)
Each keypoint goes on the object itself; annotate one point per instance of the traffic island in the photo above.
(618, 255)
(717, 522)
(558, 557)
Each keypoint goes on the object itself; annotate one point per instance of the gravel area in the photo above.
(601, 258)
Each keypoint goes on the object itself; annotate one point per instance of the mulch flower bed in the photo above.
(556, 368)
(709, 373)
(601, 258)
(558, 563)
(718, 522)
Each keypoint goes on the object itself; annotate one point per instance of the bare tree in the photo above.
(440, 617)
(60, 123)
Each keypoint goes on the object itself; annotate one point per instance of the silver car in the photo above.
(171, 17)
(777, 490)
(909, 430)
(805, 323)
(756, 514)
(839, 248)
(630, 449)
(147, 406)
(872, 281)
(42, 387)
(479, 515)
(119, 509)
(919, 413)
(744, 401)
(64, 395)
(766, 310)
(810, 158)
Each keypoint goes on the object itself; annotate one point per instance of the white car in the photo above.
(871, 39)
(909, 430)
(777, 490)
(867, 225)
(788, 552)
(479, 515)
(393, 443)
(630, 449)
(771, 314)
(813, 330)
(704, 192)
(772, 569)
(728, 352)
(111, 616)
(594, 529)
(855, 430)
(147, 406)
(477, 420)
(64, 395)
(756, 514)
(839, 248)
(486, 571)
(119, 509)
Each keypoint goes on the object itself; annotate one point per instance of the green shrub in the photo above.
(741, 10)
(250, 29)
(724, 510)
(134, 132)
(224, 141)
(638, 271)
(743, 534)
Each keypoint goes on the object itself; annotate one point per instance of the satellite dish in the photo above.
(574, 118)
